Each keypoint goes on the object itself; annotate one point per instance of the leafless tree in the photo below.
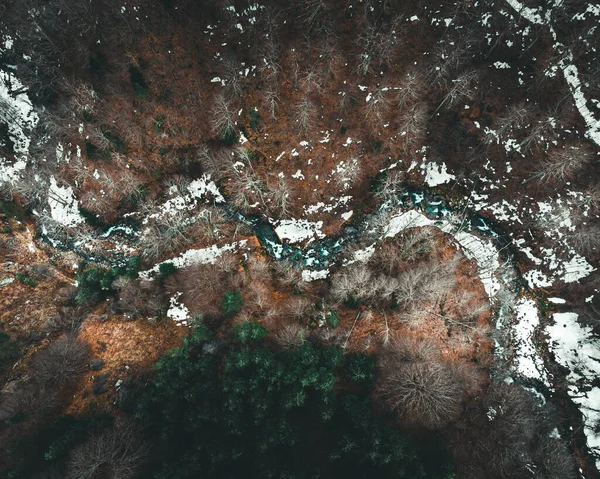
(423, 393)
(216, 163)
(210, 223)
(331, 59)
(388, 190)
(32, 400)
(306, 113)
(140, 297)
(280, 196)
(117, 453)
(165, 234)
(82, 96)
(498, 435)
(61, 362)
(590, 197)
(516, 117)
(299, 307)
(354, 281)
(585, 239)
(410, 88)
(233, 77)
(562, 163)
(426, 282)
(463, 87)
(408, 246)
(377, 108)
(290, 335)
(29, 188)
(223, 119)
(377, 43)
(259, 296)
(541, 131)
(246, 189)
(272, 99)
(314, 14)
(290, 275)
(412, 123)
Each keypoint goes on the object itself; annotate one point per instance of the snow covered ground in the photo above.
(578, 349)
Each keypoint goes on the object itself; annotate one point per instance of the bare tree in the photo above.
(561, 164)
(410, 88)
(306, 113)
(272, 99)
(423, 393)
(516, 117)
(223, 119)
(590, 197)
(426, 282)
(140, 297)
(377, 43)
(166, 233)
(61, 362)
(233, 76)
(448, 59)
(412, 123)
(31, 400)
(299, 308)
(377, 108)
(463, 87)
(585, 239)
(281, 196)
(354, 281)
(290, 335)
(499, 434)
(389, 189)
(117, 453)
(290, 275)
(314, 14)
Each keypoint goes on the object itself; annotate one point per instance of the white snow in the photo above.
(17, 111)
(198, 188)
(436, 174)
(295, 231)
(63, 204)
(557, 300)
(528, 362)
(196, 256)
(346, 216)
(178, 312)
(576, 348)
(308, 275)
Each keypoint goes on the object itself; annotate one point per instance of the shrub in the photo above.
(141, 92)
(254, 118)
(92, 281)
(360, 368)
(332, 319)
(249, 332)
(158, 125)
(229, 137)
(28, 280)
(167, 269)
(232, 302)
